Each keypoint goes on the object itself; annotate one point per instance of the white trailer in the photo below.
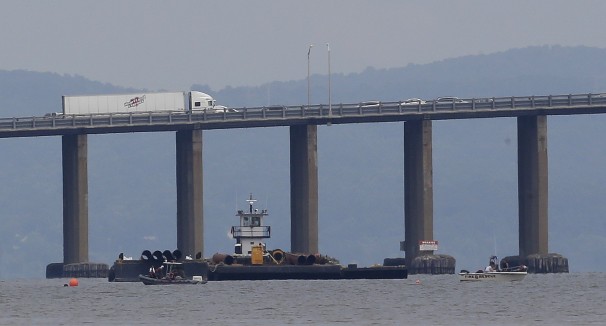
(139, 102)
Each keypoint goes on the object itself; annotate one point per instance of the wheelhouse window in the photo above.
(256, 221)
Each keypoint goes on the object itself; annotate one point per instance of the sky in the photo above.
(170, 45)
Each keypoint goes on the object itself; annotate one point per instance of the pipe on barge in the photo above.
(295, 259)
(278, 255)
(226, 259)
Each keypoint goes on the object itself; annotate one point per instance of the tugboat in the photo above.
(252, 260)
(250, 235)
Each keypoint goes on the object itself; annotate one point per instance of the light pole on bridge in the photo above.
(329, 99)
(308, 89)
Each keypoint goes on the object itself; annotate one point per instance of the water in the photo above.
(554, 299)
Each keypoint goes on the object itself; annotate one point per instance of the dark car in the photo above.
(275, 108)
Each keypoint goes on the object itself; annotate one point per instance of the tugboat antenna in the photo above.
(250, 203)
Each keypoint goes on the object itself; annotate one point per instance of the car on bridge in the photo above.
(275, 107)
(370, 104)
(414, 101)
(449, 99)
(53, 114)
(221, 109)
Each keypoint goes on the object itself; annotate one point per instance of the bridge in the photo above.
(530, 111)
(60, 125)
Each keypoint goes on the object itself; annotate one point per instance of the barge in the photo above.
(251, 260)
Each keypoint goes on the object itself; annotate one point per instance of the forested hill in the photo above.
(534, 70)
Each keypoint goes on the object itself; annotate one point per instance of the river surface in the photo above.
(552, 299)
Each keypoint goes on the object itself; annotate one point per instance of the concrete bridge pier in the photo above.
(75, 198)
(533, 197)
(75, 212)
(418, 201)
(304, 189)
(190, 216)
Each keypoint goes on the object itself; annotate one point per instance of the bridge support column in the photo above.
(532, 185)
(533, 199)
(304, 189)
(418, 193)
(190, 215)
(75, 199)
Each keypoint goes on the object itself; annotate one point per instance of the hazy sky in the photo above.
(174, 44)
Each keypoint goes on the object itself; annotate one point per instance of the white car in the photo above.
(370, 104)
(414, 101)
(221, 109)
(449, 99)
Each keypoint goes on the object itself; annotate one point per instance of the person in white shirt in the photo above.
(490, 268)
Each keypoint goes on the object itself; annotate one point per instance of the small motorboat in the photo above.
(492, 276)
(174, 275)
(502, 273)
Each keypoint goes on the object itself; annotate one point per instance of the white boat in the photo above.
(492, 276)
(502, 272)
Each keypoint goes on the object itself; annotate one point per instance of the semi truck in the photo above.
(140, 102)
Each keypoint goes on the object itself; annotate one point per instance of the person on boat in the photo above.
(152, 272)
(490, 268)
(504, 265)
(157, 272)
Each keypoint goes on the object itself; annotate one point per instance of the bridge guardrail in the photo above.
(297, 112)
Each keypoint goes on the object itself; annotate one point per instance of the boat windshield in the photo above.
(174, 270)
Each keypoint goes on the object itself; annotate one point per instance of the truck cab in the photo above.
(199, 101)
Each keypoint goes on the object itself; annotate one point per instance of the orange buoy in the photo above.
(73, 282)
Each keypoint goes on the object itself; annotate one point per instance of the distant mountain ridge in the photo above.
(132, 188)
(538, 70)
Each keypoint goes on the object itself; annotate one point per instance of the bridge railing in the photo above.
(312, 111)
